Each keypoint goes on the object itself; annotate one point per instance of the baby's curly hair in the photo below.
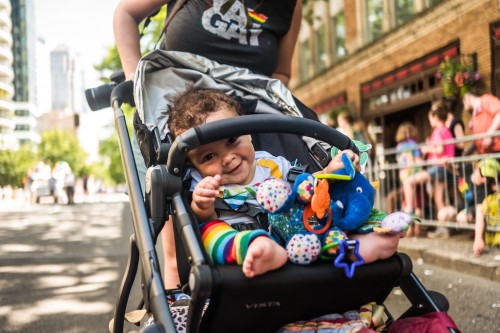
(192, 107)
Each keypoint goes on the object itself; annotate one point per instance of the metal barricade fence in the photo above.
(389, 196)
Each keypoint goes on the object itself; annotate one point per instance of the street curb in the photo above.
(486, 266)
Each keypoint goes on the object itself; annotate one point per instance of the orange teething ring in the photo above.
(308, 213)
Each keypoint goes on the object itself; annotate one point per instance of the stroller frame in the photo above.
(264, 299)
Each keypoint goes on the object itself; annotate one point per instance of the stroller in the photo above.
(279, 124)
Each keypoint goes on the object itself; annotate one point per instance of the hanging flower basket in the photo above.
(457, 78)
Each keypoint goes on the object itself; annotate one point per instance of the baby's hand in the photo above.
(206, 191)
(337, 164)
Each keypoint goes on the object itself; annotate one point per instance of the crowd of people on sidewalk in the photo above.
(430, 179)
(430, 184)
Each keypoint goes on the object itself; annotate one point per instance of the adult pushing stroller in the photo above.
(281, 125)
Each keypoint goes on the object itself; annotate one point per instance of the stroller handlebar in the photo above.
(250, 124)
(104, 95)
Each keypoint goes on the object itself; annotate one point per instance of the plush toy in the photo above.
(394, 223)
(314, 216)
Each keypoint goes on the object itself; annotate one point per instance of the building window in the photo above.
(22, 127)
(403, 10)
(337, 29)
(433, 2)
(321, 49)
(22, 113)
(406, 85)
(305, 59)
(382, 16)
(375, 17)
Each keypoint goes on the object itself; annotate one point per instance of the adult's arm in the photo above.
(495, 126)
(128, 15)
(286, 47)
(458, 131)
(470, 149)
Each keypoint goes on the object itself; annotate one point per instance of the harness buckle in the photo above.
(296, 170)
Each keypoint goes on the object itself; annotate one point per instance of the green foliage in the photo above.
(14, 166)
(457, 78)
(152, 32)
(99, 171)
(308, 15)
(111, 63)
(62, 146)
(110, 151)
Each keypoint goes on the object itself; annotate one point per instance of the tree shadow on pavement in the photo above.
(61, 267)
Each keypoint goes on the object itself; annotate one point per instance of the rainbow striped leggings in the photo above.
(226, 245)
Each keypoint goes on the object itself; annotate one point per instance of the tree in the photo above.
(109, 150)
(151, 33)
(62, 146)
(14, 166)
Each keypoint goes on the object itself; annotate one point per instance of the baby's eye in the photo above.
(232, 140)
(207, 157)
(359, 190)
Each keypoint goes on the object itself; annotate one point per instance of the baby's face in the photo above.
(232, 158)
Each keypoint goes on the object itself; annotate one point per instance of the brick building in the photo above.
(378, 58)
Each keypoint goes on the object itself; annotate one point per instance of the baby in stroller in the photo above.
(237, 303)
(232, 167)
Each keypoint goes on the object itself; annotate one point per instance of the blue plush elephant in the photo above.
(351, 202)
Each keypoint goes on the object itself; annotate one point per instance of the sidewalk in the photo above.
(21, 204)
(454, 253)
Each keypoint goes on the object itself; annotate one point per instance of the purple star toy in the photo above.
(344, 246)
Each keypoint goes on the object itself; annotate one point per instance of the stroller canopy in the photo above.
(161, 75)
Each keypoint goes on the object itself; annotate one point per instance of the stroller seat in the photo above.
(270, 301)
(236, 304)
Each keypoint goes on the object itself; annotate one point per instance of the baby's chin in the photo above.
(229, 181)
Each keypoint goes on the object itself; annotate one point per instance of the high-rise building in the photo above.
(7, 140)
(43, 79)
(25, 73)
(67, 81)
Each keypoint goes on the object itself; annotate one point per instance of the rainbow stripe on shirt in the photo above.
(256, 17)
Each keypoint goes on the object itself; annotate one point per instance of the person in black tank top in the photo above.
(457, 129)
(256, 34)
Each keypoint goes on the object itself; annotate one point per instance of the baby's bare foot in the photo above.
(263, 255)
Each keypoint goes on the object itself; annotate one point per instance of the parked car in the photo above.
(43, 187)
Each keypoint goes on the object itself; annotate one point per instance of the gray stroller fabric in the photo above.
(161, 75)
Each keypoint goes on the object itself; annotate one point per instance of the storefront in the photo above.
(392, 78)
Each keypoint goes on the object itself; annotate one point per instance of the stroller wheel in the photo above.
(440, 300)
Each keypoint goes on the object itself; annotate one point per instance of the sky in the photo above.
(85, 26)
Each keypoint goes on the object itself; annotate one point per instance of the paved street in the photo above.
(61, 267)
(474, 301)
